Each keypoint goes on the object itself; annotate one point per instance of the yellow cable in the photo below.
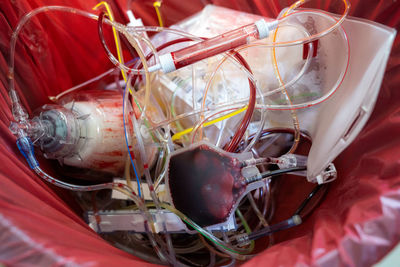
(116, 36)
(157, 6)
(189, 130)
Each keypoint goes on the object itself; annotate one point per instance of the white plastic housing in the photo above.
(341, 118)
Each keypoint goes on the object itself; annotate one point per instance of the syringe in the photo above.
(214, 46)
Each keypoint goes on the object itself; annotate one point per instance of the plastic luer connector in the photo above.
(216, 45)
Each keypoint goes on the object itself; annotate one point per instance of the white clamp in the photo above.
(328, 175)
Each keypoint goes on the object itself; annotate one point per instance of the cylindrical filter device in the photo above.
(86, 131)
(216, 45)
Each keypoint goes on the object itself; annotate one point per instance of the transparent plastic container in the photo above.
(87, 133)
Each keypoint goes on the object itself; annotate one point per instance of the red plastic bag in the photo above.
(357, 224)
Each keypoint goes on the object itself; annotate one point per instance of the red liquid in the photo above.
(205, 184)
(214, 46)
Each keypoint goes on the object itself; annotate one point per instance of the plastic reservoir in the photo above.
(94, 133)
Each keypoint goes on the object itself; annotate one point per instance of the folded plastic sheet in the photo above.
(357, 224)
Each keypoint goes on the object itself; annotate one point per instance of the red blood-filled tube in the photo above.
(216, 45)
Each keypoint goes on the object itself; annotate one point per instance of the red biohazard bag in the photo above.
(357, 223)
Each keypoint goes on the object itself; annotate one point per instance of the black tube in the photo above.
(310, 197)
(289, 223)
(274, 173)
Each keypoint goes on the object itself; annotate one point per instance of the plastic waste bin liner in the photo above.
(356, 225)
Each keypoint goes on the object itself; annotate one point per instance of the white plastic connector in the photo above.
(328, 175)
(167, 63)
(250, 171)
(264, 27)
(154, 68)
(133, 22)
(292, 160)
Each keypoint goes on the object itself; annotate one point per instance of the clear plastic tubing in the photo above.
(216, 45)
(233, 39)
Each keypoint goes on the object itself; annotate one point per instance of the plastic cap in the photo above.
(133, 22)
(264, 27)
(167, 63)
